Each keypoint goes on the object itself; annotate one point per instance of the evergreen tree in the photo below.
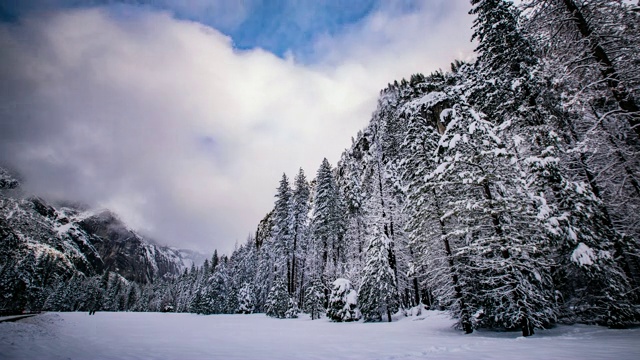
(292, 309)
(327, 228)
(282, 231)
(132, 297)
(218, 290)
(215, 260)
(314, 299)
(378, 292)
(246, 299)
(535, 120)
(343, 302)
(198, 304)
(278, 300)
(498, 222)
(597, 95)
(300, 224)
(265, 276)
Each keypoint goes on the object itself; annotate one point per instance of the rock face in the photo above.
(126, 252)
(41, 245)
(7, 181)
(38, 248)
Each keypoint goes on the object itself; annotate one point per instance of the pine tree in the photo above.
(300, 224)
(278, 300)
(497, 223)
(343, 302)
(218, 290)
(282, 231)
(591, 35)
(327, 228)
(378, 292)
(431, 245)
(535, 119)
(132, 297)
(292, 309)
(198, 304)
(265, 276)
(246, 299)
(314, 299)
(215, 260)
(352, 185)
(602, 37)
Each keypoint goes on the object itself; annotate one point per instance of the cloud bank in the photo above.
(185, 137)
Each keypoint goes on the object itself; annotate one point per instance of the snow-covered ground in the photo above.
(190, 336)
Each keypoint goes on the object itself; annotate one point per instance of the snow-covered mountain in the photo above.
(41, 244)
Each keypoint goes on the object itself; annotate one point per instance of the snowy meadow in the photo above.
(130, 335)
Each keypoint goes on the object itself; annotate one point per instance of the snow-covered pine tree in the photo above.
(185, 285)
(431, 231)
(497, 222)
(215, 260)
(264, 277)
(198, 305)
(133, 296)
(218, 290)
(292, 309)
(56, 301)
(315, 299)
(327, 226)
(343, 302)
(350, 181)
(504, 60)
(597, 27)
(240, 272)
(300, 228)
(246, 299)
(602, 141)
(533, 118)
(283, 231)
(378, 294)
(379, 283)
(278, 300)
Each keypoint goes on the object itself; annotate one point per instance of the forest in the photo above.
(504, 190)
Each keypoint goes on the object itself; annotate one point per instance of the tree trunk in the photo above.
(416, 291)
(527, 328)
(289, 276)
(619, 253)
(293, 275)
(388, 230)
(465, 317)
(631, 175)
(301, 285)
(495, 219)
(621, 94)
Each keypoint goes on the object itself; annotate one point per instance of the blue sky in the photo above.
(181, 116)
(279, 26)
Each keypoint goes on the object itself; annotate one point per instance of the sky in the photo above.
(182, 116)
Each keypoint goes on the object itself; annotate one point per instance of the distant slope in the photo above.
(41, 244)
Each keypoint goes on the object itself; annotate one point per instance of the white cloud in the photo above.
(186, 138)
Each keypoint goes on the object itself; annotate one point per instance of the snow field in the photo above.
(129, 335)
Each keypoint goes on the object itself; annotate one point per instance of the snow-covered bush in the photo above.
(246, 299)
(343, 302)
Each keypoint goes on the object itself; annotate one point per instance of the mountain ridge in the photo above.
(44, 244)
